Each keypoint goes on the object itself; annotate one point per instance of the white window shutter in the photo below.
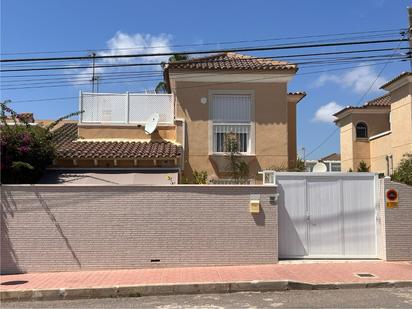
(231, 108)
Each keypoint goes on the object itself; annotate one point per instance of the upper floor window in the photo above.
(231, 116)
(361, 130)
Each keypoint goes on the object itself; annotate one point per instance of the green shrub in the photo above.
(200, 178)
(403, 173)
(299, 166)
(239, 170)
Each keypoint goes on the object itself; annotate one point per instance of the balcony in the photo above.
(125, 108)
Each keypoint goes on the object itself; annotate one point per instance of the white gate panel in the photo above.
(327, 215)
(324, 217)
(359, 217)
(292, 220)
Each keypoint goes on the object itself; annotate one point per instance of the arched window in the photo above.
(361, 130)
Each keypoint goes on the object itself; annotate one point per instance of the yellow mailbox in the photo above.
(254, 206)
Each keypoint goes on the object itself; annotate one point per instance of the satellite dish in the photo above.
(151, 123)
(320, 167)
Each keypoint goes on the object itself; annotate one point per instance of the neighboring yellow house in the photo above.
(209, 98)
(379, 132)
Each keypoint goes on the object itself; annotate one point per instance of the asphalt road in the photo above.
(361, 298)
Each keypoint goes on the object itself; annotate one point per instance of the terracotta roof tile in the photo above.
(68, 148)
(231, 61)
(332, 157)
(396, 78)
(384, 100)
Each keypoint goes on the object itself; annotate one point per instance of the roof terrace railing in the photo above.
(125, 108)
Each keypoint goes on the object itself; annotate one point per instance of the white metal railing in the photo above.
(125, 108)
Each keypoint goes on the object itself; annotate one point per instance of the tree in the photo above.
(239, 170)
(178, 57)
(161, 87)
(26, 150)
(403, 173)
(363, 167)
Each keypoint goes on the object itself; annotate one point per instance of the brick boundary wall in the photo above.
(68, 228)
(396, 223)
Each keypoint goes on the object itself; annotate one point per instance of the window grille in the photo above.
(231, 116)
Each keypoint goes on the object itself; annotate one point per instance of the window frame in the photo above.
(211, 123)
(238, 124)
(366, 127)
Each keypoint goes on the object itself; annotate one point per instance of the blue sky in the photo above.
(50, 25)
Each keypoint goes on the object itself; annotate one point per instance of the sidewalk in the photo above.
(309, 273)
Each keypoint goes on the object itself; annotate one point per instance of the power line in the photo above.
(80, 77)
(256, 46)
(279, 56)
(360, 101)
(200, 52)
(113, 65)
(206, 84)
(81, 67)
(398, 30)
(77, 74)
(319, 60)
(138, 77)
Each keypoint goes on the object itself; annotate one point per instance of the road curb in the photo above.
(185, 288)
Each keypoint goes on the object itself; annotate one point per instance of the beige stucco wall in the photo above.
(292, 128)
(379, 149)
(354, 150)
(361, 152)
(346, 145)
(401, 123)
(270, 124)
(397, 119)
(70, 228)
(399, 141)
(377, 121)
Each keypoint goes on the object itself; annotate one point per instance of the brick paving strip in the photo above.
(219, 279)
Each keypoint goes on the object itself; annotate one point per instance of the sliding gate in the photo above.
(327, 215)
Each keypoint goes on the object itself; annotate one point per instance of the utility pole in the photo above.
(97, 83)
(410, 35)
(93, 68)
(304, 156)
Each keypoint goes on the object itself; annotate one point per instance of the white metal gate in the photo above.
(331, 215)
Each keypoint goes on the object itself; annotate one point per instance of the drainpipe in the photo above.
(182, 160)
(387, 165)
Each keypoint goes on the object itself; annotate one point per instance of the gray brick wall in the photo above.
(67, 228)
(396, 223)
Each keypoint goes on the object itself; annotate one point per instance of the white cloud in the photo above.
(359, 79)
(325, 112)
(123, 44)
